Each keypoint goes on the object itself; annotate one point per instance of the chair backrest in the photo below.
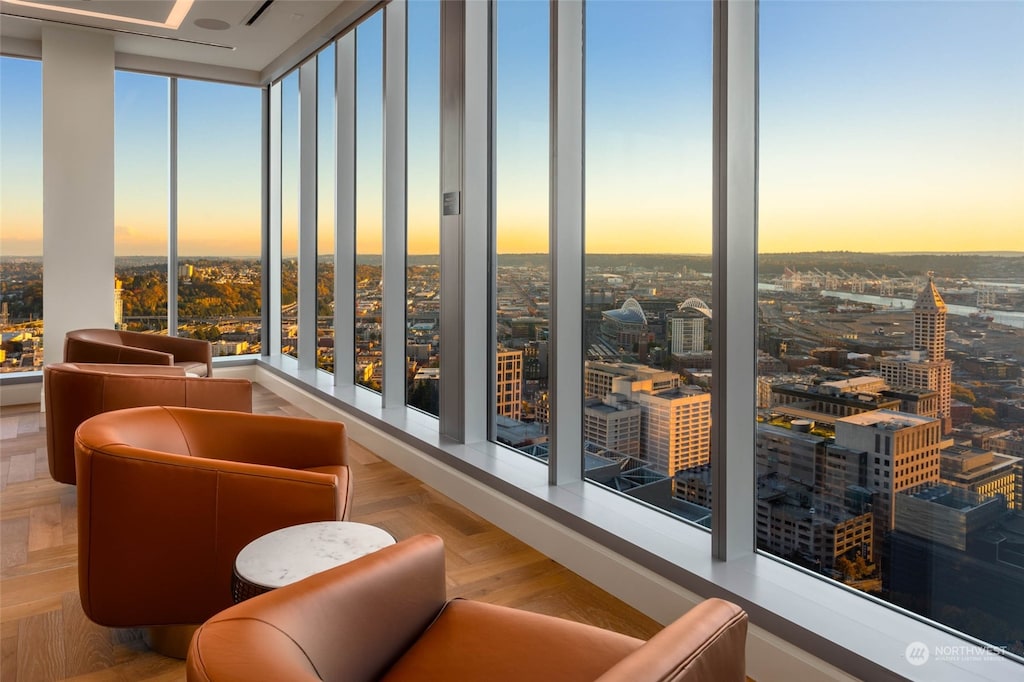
(126, 347)
(160, 525)
(348, 623)
(74, 392)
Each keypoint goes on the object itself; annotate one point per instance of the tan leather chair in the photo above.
(385, 617)
(195, 356)
(167, 496)
(74, 392)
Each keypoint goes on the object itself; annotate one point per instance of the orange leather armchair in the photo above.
(74, 392)
(385, 617)
(167, 496)
(195, 356)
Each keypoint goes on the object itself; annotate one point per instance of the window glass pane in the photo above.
(219, 215)
(521, 208)
(21, 215)
(369, 198)
(290, 214)
(325, 175)
(141, 186)
(647, 321)
(891, 292)
(423, 239)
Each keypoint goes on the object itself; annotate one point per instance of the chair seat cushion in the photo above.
(196, 369)
(476, 641)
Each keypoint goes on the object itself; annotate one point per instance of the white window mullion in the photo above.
(566, 237)
(345, 210)
(272, 266)
(734, 287)
(307, 300)
(172, 206)
(393, 330)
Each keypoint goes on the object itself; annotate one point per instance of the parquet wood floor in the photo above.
(44, 634)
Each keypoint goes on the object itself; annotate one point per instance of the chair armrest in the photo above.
(706, 644)
(351, 622)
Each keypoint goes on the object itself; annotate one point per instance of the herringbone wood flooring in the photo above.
(45, 636)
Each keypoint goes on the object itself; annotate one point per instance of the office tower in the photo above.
(118, 305)
(509, 384)
(691, 327)
(902, 452)
(613, 424)
(926, 366)
(599, 378)
(675, 428)
(983, 472)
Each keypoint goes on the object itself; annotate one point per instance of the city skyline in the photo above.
(903, 129)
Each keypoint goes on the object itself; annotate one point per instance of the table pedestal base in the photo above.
(170, 640)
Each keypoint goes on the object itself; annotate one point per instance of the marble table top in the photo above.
(291, 554)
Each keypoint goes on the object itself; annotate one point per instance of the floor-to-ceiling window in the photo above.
(891, 303)
(647, 291)
(219, 215)
(325, 206)
(369, 199)
(648, 322)
(21, 215)
(522, 278)
(289, 284)
(141, 201)
(423, 187)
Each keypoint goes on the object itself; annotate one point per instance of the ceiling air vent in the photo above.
(257, 13)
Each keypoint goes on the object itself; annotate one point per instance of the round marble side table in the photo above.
(290, 554)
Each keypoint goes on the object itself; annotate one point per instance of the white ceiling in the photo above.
(212, 40)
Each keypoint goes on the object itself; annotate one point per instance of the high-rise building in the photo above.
(613, 424)
(902, 452)
(509, 384)
(926, 366)
(599, 378)
(675, 428)
(118, 305)
(691, 327)
(982, 471)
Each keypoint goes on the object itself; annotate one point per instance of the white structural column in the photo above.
(307, 303)
(345, 210)
(477, 226)
(466, 335)
(78, 183)
(566, 236)
(452, 381)
(272, 267)
(393, 334)
(265, 173)
(734, 287)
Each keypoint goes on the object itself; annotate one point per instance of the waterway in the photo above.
(1011, 318)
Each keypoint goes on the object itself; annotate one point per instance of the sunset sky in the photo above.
(884, 126)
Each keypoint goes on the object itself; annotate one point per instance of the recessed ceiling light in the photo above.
(174, 17)
(212, 24)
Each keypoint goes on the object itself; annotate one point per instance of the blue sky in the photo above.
(883, 126)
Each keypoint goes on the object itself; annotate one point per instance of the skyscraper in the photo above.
(926, 366)
(509, 382)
